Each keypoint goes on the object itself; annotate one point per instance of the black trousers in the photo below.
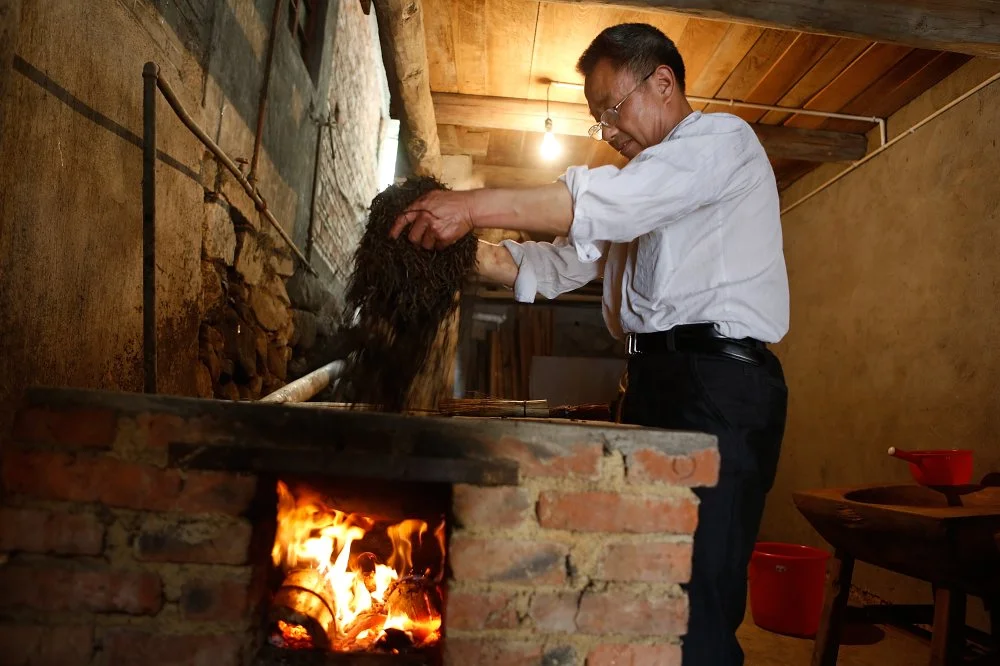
(744, 405)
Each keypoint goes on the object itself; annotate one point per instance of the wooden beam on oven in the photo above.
(484, 112)
(963, 26)
(401, 31)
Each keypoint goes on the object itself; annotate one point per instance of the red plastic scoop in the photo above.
(949, 467)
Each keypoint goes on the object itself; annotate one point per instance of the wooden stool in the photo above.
(948, 634)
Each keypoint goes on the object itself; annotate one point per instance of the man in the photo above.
(687, 237)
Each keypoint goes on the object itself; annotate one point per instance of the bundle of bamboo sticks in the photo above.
(493, 407)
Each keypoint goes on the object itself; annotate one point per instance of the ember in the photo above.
(349, 580)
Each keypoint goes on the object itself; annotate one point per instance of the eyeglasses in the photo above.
(609, 118)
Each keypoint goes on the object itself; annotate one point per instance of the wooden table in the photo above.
(951, 540)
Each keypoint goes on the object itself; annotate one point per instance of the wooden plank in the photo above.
(860, 74)
(752, 69)
(965, 26)
(440, 45)
(401, 30)
(911, 76)
(286, 460)
(843, 53)
(697, 43)
(515, 114)
(732, 49)
(506, 147)
(469, 27)
(10, 22)
(510, 42)
(463, 141)
(789, 68)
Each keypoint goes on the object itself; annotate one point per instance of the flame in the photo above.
(367, 597)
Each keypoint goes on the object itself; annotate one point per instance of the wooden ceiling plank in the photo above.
(911, 76)
(469, 26)
(505, 176)
(860, 74)
(509, 45)
(440, 45)
(697, 42)
(732, 49)
(749, 73)
(843, 53)
(800, 57)
(964, 26)
(563, 33)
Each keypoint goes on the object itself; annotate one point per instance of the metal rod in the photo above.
(149, 76)
(307, 386)
(878, 151)
(262, 103)
(227, 162)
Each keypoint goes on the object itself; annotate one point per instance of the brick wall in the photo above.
(349, 161)
(114, 555)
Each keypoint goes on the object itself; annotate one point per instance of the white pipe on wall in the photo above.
(878, 151)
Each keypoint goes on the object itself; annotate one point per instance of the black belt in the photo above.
(696, 338)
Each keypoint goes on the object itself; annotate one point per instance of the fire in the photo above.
(338, 587)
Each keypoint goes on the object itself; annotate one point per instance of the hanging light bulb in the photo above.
(550, 147)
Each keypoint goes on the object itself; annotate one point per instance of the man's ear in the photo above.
(665, 81)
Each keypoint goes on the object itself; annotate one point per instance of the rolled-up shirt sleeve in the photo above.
(551, 269)
(659, 186)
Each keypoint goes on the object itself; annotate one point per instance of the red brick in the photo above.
(646, 562)
(130, 647)
(651, 466)
(29, 645)
(44, 531)
(612, 512)
(629, 613)
(635, 655)
(491, 507)
(98, 590)
(215, 600)
(581, 461)
(118, 483)
(504, 560)
(555, 612)
(66, 426)
(470, 651)
(480, 610)
(204, 541)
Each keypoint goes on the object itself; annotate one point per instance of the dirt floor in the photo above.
(863, 645)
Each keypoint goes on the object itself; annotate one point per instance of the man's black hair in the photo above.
(638, 47)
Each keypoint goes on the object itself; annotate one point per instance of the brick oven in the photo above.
(155, 530)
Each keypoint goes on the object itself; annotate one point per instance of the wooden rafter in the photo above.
(484, 112)
(963, 26)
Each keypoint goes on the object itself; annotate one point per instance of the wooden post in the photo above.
(10, 23)
(948, 637)
(838, 587)
(404, 51)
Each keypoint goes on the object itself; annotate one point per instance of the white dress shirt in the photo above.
(689, 231)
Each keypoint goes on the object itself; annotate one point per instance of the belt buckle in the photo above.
(631, 348)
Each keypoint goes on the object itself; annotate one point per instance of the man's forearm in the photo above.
(547, 209)
(495, 264)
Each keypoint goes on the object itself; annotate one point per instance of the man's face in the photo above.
(640, 118)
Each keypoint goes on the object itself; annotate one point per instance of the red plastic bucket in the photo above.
(786, 587)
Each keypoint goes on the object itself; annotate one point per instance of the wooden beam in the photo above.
(574, 119)
(10, 21)
(504, 176)
(404, 52)
(964, 26)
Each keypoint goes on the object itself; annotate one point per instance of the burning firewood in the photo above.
(304, 600)
(416, 597)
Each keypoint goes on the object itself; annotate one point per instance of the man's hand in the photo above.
(436, 220)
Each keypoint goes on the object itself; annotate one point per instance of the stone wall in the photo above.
(70, 190)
